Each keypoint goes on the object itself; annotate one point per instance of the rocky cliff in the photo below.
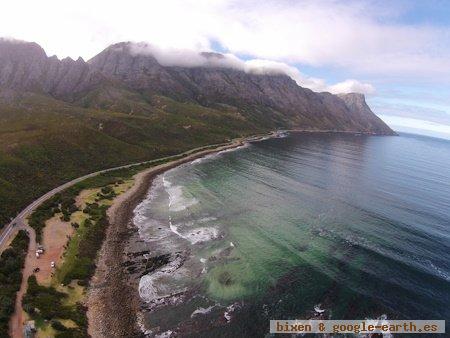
(119, 78)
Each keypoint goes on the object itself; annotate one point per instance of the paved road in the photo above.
(20, 221)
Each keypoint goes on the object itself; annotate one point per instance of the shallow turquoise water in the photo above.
(356, 225)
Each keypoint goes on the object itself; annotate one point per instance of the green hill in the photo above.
(45, 142)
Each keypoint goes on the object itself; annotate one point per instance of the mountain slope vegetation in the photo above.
(60, 119)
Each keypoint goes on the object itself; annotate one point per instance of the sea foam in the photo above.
(177, 200)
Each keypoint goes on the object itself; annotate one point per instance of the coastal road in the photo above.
(20, 221)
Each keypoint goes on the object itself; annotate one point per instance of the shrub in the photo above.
(56, 324)
(47, 303)
(11, 265)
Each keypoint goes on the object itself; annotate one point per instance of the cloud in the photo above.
(361, 37)
(352, 86)
(417, 126)
(10, 39)
(411, 118)
(411, 111)
(388, 43)
(191, 58)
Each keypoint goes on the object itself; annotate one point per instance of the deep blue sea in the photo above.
(358, 226)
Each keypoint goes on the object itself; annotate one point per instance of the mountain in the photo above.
(271, 97)
(63, 118)
(274, 100)
(25, 67)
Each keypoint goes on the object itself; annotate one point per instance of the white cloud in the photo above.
(359, 36)
(417, 112)
(191, 58)
(360, 39)
(416, 125)
(352, 86)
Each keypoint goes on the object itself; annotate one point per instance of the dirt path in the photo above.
(18, 317)
(113, 301)
(54, 238)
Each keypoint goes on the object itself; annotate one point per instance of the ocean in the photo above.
(355, 225)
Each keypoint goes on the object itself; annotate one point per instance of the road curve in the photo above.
(20, 221)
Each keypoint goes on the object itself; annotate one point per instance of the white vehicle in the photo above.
(52, 264)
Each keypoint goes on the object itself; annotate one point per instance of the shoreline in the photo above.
(113, 299)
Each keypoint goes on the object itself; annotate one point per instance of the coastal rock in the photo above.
(139, 264)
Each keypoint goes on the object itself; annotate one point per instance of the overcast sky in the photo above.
(396, 52)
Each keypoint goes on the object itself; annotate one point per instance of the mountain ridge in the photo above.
(60, 119)
(277, 97)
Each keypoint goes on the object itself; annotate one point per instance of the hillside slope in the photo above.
(60, 119)
(275, 98)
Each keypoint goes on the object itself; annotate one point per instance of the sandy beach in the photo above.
(113, 298)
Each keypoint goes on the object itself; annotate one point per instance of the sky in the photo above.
(397, 52)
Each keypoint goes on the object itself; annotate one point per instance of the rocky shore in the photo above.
(113, 300)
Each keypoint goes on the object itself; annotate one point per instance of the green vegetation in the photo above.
(46, 303)
(106, 193)
(79, 258)
(55, 306)
(11, 264)
(62, 202)
(65, 201)
(46, 142)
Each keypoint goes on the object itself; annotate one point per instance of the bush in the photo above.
(58, 326)
(11, 265)
(47, 303)
(107, 190)
(70, 333)
(65, 217)
(82, 266)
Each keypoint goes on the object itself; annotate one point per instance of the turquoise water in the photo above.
(355, 225)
